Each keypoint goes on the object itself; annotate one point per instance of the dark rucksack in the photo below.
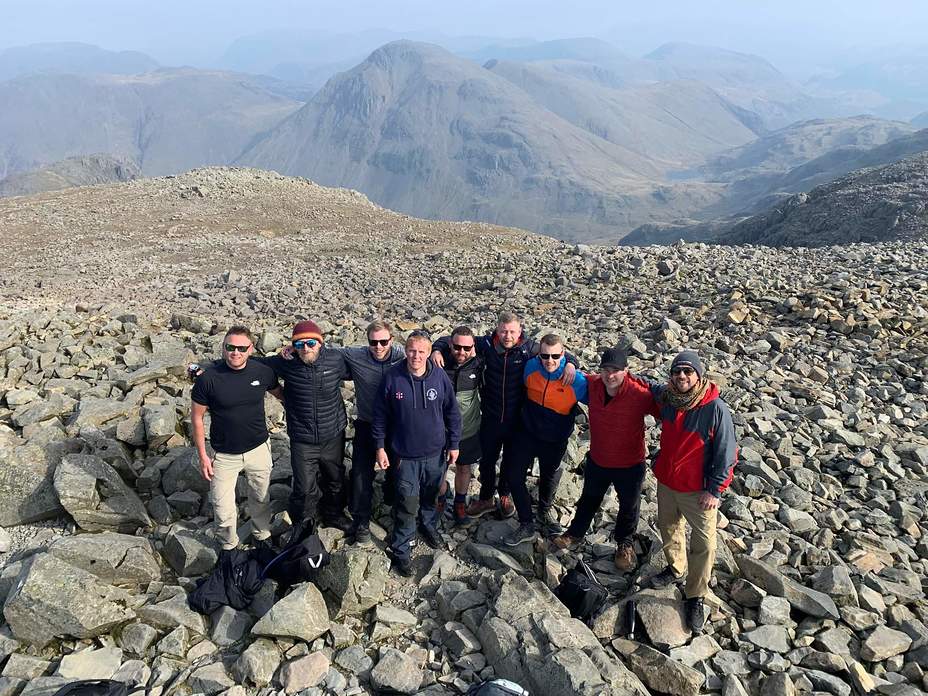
(234, 581)
(93, 687)
(581, 592)
(300, 562)
(496, 687)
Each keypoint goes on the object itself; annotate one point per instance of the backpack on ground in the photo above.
(299, 562)
(496, 687)
(581, 592)
(93, 687)
(234, 582)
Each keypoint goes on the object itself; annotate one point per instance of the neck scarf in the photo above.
(686, 400)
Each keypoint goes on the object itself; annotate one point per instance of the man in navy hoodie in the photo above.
(417, 408)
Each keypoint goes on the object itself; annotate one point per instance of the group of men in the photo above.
(457, 402)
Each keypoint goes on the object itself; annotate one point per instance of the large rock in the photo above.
(116, 558)
(658, 671)
(301, 614)
(27, 487)
(664, 622)
(55, 599)
(94, 411)
(191, 552)
(184, 474)
(51, 406)
(90, 664)
(160, 424)
(354, 581)
(803, 598)
(884, 643)
(304, 672)
(170, 610)
(257, 664)
(396, 671)
(96, 497)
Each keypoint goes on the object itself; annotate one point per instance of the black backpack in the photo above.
(93, 687)
(581, 592)
(300, 562)
(496, 687)
(234, 582)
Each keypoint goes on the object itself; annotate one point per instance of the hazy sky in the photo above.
(797, 36)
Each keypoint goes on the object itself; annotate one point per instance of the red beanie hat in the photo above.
(306, 329)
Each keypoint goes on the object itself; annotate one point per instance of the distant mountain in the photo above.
(71, 58)
(920, 121)
(167, 121)
(746, 80)
(422, 131)
(870, 205)
(674, 124)
(86, 170)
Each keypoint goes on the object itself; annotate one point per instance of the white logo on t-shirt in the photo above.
(256, 383)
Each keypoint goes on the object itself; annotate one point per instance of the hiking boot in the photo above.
(524, 532)
(549, 523)
(625, 558)
(402, 566)
(694, 608)
(339, 521)
(506, 507)
(359, 535)
(665, 577)
(431, 538)
(479, 508)
(565, 541)
(460, 514)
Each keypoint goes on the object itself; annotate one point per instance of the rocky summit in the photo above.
(108, 292)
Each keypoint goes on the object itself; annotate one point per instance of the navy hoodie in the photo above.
(420, 414)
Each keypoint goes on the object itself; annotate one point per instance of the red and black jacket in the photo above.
(698, 449)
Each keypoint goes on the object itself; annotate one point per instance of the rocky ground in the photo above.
(108, 292)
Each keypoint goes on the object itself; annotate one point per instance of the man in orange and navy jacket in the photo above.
(546, 422)
(693, 467)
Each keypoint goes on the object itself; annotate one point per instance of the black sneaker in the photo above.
(549, 523)
(359, 535)
(694, 608)
(431, 537)
(665, 577)
(524, 532)
(402, 566)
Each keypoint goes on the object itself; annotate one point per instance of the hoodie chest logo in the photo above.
(431, 394)
(399, 396)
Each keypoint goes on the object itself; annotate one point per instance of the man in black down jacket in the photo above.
(316, 422)
(504, 352)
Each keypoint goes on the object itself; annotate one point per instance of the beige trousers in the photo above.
(673, 509)
(257, 465)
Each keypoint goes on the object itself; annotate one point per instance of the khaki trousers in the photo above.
(257, 465)
(673, 509)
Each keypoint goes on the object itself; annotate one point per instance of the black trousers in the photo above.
(596, 481)
(318, 480)
(526, 448)
(362, 476)
(494, 437)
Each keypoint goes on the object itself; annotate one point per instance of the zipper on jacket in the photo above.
(502, 413)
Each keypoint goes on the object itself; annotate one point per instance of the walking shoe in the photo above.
(431, 537)
(665, 577)
(549, 523)
(460, 514)
(694, 607)
(359, 535)
(524, 532)
(506, 507)
(402, 566)
(565, 541)
(625, 558)
(479, 508)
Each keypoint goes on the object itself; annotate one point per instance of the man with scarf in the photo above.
(694, 465)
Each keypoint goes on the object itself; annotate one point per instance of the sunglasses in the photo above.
(378, 341)
(463, 349)
(309, 343)
(682, 371)
(550, 356)
(231, 348)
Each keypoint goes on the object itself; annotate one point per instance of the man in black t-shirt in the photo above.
(233, 393)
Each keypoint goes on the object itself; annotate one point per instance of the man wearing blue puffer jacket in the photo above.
(418, 410)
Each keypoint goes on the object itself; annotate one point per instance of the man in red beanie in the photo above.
(316, 422)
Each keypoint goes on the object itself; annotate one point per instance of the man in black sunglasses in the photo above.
(233, 393)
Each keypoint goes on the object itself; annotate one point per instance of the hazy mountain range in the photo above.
(572, 138)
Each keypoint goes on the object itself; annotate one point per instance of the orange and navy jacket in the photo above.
(617, 427)
(549, 408)
(698, 450)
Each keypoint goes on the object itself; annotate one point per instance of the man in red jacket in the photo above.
(618, 404)
(694, 465)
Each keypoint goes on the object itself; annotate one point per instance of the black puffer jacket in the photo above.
(312, 395)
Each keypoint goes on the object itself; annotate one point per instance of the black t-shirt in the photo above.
(235, 399)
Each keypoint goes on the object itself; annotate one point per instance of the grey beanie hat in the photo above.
(689, 358)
